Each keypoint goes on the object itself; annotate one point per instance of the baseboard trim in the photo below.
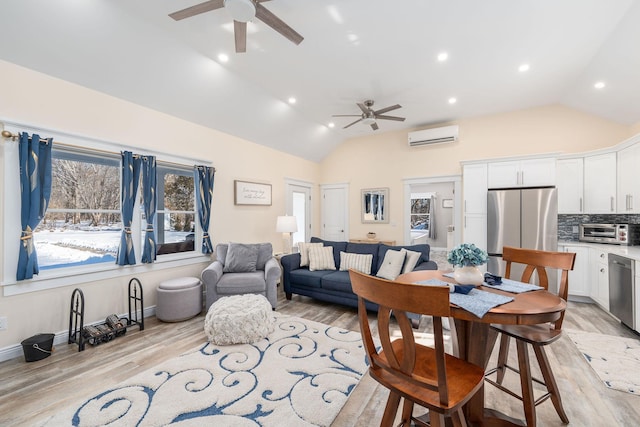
(13, 351)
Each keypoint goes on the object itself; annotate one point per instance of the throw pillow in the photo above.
(358, 262)
(392, 264)
(240, 258)
(304, 252)
(410, 261)
(321, 258)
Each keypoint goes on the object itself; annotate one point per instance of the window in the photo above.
(420, 211)
(83, 222)
(176, 210)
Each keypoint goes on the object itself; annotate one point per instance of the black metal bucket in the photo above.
(37, 347)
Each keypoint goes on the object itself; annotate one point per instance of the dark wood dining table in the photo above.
(473, 339)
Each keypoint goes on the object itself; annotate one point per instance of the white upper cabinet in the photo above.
(600, 183)
(474, 187)
(570, 185)
(522, 173)
(629, 179)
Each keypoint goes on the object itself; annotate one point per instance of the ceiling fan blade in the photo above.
(387, 109)
(398, 119)
(362, 107)
(374, 126)
(240, 33)
(351, 124)
(197, 9)
(277, 24)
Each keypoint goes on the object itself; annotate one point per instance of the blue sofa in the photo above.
(335, 285)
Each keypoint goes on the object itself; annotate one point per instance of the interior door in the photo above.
(335, 212)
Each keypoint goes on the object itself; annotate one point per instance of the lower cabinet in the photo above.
(579, 284)
(599, 270)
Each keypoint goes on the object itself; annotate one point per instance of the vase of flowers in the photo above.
(465, 259)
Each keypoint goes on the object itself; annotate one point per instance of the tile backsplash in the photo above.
(566, 223)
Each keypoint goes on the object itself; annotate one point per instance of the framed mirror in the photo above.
(375, 205)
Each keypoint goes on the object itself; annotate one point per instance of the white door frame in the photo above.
(457, 197)
(289, 185)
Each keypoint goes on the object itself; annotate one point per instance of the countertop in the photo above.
(632, 252)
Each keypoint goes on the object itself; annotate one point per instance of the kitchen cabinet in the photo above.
(636, 306)
(599, 269)
(570, 185)
(578, 277)
(474, 187)
(600, 183)
(522, 173)
(628, 172)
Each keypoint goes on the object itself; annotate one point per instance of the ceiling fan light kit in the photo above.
(240, 10)
(369, 116)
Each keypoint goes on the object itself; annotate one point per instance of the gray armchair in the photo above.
(242, 269)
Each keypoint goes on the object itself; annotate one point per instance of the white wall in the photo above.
(45, 102)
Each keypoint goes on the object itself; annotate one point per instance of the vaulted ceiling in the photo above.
(353, 50)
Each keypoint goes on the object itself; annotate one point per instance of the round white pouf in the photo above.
(239, 319)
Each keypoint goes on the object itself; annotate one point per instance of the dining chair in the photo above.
(417, 373)
(538, 336)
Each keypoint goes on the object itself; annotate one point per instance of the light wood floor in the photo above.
(32, 392)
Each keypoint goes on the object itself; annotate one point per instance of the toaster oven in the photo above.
(616, 234)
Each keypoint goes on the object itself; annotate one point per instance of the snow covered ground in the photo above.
(77, 247)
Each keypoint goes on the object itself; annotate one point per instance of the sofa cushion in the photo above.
(337, 281)
(321, 258)
(303, 248)
(392, 264)
(366, 248)
(410, 261)
(423, 249)
(337, 248)
(304, 277)
(265, 252)
(358, 262)
(240, 258)
(241, 283)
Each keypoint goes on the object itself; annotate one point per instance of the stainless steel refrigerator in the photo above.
(522, 218)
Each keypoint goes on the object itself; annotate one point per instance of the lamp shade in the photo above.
(286, 224)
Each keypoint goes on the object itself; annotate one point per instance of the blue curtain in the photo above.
(204, 196)
(130, 178)
(35, 191)
(149, 201)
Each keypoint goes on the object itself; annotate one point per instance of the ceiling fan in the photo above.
(241, 11)
(369, 116)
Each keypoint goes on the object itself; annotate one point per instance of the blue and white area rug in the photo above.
(301, 375)
(615, 360)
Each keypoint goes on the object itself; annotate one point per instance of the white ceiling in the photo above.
(353, 50)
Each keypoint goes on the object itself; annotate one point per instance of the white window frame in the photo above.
(71, 276)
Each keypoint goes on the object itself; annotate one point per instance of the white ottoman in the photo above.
(239, 319)
(179, 299)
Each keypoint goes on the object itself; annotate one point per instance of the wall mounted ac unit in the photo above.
(433, 136)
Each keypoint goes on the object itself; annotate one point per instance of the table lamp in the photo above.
(286, 225)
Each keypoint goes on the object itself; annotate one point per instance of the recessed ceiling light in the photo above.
(292, 100)
(223, 57)
(523, 68)
(331, 124)
(599, 85)
(443, 56)
(452, 100)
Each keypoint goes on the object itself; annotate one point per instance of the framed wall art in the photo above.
(251, 193)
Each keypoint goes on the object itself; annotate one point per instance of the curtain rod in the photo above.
(13, 136)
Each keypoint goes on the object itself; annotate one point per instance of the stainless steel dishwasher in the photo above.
(621, 289)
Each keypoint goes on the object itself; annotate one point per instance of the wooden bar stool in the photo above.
(537, 336)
